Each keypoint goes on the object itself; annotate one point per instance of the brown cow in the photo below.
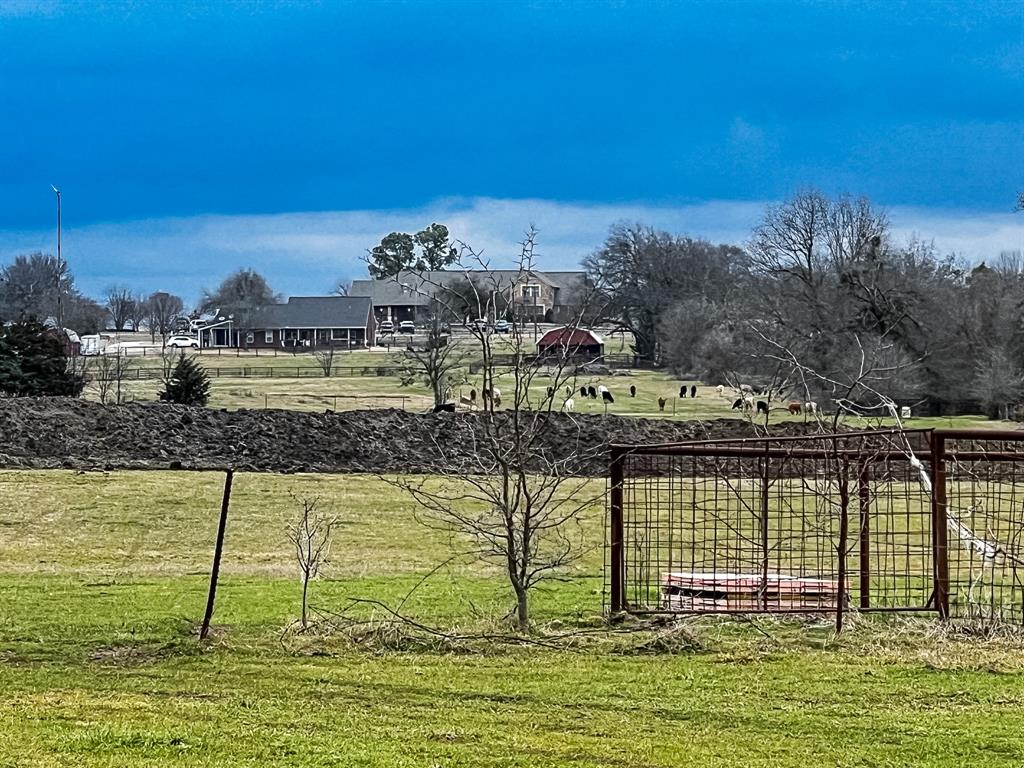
(795, 407)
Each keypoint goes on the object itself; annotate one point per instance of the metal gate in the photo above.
(892, 520)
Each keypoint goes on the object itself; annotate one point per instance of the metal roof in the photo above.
(569, 337)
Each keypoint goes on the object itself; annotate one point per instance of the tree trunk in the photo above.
(305, 592)
(522, 609)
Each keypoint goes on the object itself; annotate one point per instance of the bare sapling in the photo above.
(108, 374)
(310, 535)
(518, 503)
(325, 359)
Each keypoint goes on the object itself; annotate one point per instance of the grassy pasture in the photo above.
(314, 393)
(305, 389)
(102, 576)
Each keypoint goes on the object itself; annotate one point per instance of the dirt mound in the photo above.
(59, 432)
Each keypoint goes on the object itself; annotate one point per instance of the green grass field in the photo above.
(103, 578)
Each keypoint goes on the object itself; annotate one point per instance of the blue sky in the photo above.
(191, 139)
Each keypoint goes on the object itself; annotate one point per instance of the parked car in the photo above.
(478, 325)
(385, 327)
(183, 342)
(407, 326)
(501, 326)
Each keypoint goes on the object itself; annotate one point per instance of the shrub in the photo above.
(33, 362)
(188, 384)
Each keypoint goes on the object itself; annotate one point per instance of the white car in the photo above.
(385, 327)
(407, 326)
(183, 342)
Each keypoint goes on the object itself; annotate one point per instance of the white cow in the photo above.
(569, 405)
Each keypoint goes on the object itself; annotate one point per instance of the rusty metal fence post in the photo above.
(765, 550)
(618, 601)
(940, 550)
(864, 554)
(844, 533)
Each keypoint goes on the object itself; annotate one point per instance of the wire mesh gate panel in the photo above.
(980, 489)
(807, 524)
(913, 520)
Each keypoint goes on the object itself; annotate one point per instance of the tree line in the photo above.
(37, 287)
(822, 299)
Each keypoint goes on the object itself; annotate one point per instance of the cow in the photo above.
(444, 408)
(661, 403)
(632, 390)
(568, 405)
(607, 396)
(762, 407)
(795, 407)
(592, 392)
(693, 391)
(682, 391)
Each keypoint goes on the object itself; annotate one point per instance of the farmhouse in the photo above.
(552, 297)
(304, 321)
(571, 342)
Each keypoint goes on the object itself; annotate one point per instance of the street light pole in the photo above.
(60, 268)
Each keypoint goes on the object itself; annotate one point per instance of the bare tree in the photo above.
(241, 296)
(438, 362)
(119, 300)
(516, 504)
(168, 359)
(32, 286)
(999, 383)
(807, 258)
(311, 537)
(325, 359)
(109, 373)
(343, 287)
(138, 311)
(163, 309)
(641, 274)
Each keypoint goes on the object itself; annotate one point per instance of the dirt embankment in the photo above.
(58, 432)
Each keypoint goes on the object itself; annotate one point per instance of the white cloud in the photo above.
(304, 253)
(975, 236)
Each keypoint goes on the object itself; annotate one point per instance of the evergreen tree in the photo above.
(33, 363)
(189, 383)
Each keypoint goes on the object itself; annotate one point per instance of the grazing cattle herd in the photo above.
(746, 398)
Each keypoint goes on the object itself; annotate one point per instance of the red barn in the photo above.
(568, 342)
